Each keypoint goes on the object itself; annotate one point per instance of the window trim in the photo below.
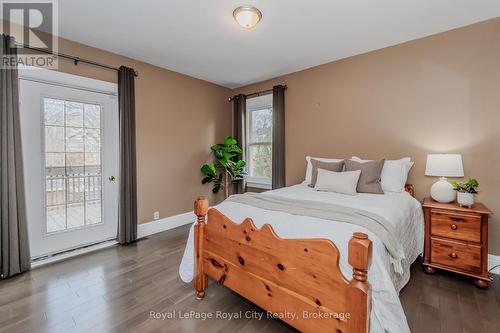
(256, 182)
(252, 183)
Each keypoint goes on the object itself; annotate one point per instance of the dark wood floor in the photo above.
(115, 290)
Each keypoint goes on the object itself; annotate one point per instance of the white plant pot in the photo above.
(465, 199)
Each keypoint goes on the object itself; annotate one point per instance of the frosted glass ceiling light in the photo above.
(247, 16)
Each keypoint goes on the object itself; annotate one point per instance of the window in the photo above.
(72, 164)
(259, 141)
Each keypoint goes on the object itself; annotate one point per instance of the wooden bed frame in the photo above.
(285, 277)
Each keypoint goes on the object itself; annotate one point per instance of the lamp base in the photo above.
(442, 191)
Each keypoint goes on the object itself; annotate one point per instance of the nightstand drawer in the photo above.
(457, 226)
(457, 255)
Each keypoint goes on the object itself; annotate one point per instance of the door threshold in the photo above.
(71, 253)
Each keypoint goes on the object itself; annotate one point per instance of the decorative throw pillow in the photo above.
(369, 181)
(339, 182)
(308, 177)
(330, 166)
(394, 173)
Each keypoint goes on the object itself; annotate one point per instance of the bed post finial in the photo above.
(360, 256)
(201, 208)
(200, 278)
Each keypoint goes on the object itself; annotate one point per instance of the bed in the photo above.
(334, 275)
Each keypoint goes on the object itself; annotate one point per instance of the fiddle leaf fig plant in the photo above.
(469, 186)
(226, 169)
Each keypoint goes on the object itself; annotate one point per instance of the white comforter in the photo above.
(400, 209)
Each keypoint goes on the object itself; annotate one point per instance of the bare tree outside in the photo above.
(73, 179)
(260, 143)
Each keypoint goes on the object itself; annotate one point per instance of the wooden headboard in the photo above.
(410, 189)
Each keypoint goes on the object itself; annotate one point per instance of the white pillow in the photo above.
(394, 173)
(309, 165)
(340, 182)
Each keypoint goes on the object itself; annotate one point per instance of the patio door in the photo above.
(70, 149)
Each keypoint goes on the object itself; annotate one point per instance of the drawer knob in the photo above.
(454, 227)
(453, 255)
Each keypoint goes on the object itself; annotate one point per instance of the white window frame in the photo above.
(256, 182)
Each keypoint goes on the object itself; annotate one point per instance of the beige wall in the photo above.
(437, 94)
(178, 119)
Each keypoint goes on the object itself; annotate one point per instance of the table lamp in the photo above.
(444, 165)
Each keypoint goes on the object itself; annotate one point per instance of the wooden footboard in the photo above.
(297, 280)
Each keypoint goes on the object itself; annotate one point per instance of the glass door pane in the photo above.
(73, 170)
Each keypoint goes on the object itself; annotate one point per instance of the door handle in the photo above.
(111, 178)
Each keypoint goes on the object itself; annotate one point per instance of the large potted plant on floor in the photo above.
(226, 169)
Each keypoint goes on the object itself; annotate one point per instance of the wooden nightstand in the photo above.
(456, 239)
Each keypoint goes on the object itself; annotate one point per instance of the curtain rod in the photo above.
(256, 94)
(76, 60)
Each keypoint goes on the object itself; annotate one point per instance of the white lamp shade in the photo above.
(444, 165)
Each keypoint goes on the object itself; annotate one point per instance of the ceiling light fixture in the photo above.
(247, 16)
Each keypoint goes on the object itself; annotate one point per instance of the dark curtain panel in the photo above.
(239, 111)
(278, 137)
(127, 220)
(14, 246)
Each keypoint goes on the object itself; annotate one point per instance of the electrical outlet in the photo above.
(156, 215)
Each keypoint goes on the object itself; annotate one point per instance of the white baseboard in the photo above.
(492, 262)
(143, 230)
(153, 227)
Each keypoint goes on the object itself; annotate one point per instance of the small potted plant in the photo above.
(466, 191)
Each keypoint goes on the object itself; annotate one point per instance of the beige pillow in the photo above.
(339, 182)
(369, 181)
(309, 165)
(330, 166)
